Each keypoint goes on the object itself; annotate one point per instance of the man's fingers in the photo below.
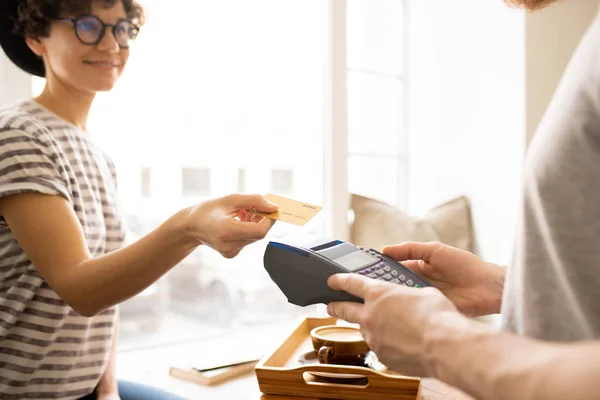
(354, 284)
(413, 265)
(412, 251)
(347, 311)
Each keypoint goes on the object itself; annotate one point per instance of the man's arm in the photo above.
(437, 341)
(490, 365)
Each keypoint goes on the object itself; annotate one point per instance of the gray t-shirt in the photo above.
(552, 288)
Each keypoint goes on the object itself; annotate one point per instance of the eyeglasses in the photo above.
(90, 30)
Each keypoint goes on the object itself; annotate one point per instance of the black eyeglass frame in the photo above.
(132, 27)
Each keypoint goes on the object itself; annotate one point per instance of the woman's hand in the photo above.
(226, 225)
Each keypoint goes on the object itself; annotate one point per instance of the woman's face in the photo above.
(88, 68)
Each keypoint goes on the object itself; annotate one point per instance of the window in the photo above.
(241, 180)
(377, 141)
(195, 182)
(224, 95)
(145, 179)
(14, 83)
(206, 96)
(282, 181)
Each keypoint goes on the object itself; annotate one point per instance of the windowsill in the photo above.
(206, 296)
(150, 365)
(177, 329)
(170, 329)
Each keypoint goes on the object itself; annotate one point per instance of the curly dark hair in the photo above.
(35, 15)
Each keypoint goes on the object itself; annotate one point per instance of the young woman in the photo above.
(63, 266)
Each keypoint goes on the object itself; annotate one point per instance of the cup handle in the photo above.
(325, 353)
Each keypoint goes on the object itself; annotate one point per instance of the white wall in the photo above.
(14, 84)
(552, 35)
(467, 119)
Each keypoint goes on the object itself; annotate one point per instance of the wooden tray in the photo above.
(280, 373)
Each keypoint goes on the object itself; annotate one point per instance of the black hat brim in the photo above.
(14, 45)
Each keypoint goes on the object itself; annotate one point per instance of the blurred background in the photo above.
(407, 103)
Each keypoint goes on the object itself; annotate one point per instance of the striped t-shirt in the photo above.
(47, 350)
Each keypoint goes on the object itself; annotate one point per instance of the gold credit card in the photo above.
(291, 211)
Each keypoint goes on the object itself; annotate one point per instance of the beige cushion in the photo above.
(377, 224)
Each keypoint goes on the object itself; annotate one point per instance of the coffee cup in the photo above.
(336, 344)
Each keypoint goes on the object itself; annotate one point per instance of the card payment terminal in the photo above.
(302, 273)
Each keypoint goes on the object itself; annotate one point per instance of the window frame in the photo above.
(401, 157)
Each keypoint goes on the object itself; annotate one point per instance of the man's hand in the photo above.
(394, 320)
(418, 332)
(474, 286)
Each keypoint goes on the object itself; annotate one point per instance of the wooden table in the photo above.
(150, 366)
